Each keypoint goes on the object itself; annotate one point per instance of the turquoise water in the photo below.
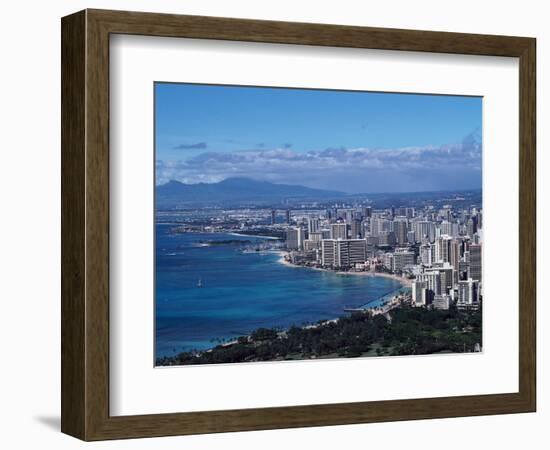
(242, 291)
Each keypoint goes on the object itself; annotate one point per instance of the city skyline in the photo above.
(354, 142)
(369, 267)
(310, 224)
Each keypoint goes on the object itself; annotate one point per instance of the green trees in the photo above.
(263, 334)
(412, 331)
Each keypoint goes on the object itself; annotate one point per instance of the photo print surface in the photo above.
(302, 224)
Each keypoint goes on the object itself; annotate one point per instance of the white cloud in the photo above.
(332, 166)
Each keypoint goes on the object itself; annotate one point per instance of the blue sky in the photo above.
(350, 141)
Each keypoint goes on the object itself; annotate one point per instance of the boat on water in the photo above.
(199, 283)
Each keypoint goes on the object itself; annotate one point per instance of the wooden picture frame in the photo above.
(85, 224)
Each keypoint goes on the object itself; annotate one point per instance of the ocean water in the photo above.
(242, 291)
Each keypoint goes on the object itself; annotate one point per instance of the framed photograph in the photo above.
(273, 225)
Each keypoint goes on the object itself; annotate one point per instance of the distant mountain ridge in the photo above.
(235, 190)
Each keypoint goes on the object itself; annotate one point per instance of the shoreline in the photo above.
(229, 233)
(340, 339)
(251, 235)
(404, 281)
(382, 304)
(387, 302)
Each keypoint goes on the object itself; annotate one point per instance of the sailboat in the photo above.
(199, 283)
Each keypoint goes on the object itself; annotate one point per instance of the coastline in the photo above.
(384, 305)
(404, 281)
(382, 300)
(387, 303)
(254, 235)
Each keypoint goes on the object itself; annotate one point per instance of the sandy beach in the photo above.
(390, 303)
(405, 281)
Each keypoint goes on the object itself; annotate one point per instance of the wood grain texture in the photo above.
(201, 27)
(97, 225)
(85, 224)
(73, 226)
(527, 224)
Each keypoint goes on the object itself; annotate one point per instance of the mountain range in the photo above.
(235, 190)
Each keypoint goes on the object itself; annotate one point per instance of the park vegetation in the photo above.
(405, 331)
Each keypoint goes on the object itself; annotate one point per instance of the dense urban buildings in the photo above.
(438, 248)
(315, 223)
(434, 242)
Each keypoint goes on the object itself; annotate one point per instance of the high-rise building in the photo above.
(315, 236)
(456, 253)
(446, 227)
(356, 230)
(379, 225)
(449, 228)
(468, 292)
(401, 211)
(406, 212)
(445, 213)
(273, 217)
(387, 260)
(475, 272)
(446, 275)
(442, 301)
(338, 231)
(424, 231)
(329, 251)
(367, 211)
(427, 252)
(443, 249)
(471, 226)
(343, 253)
(372, 240)
(432, 280)
(402, 259)
(287, 216)
(477, 237)
(346, 214)
(386, 238)
(365, 228)
(455, 259)
(313, 225)
(357, 251)
(479, 216)
(400, 228)
(463, 269)
(310, 245)
(419, 293)
(295, 238)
